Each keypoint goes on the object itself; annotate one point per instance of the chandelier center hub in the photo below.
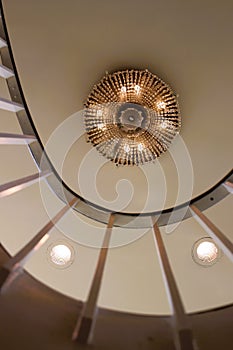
(131, 117)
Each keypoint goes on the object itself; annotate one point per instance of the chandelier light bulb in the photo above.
(101, 126)
(137, 89)
(99, 113)
(140, 147)
(164, 124)
(161, 104)
(123, 90)
(126, 148)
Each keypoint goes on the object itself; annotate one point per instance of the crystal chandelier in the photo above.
(131, 117)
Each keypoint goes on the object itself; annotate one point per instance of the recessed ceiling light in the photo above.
(60, 254)
(206, 252)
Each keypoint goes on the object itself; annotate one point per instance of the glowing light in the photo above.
(161, 104)
(126, 148)
(164, 124)
(99, 113)
(137, 89)
(61, 254)
(207, 251)
(140, 147)
(123, 89)
(101, 126)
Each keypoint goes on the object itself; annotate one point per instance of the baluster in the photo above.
(84, 328)
(183, 332)
(19, 184)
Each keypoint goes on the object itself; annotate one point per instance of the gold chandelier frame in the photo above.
(131, 117)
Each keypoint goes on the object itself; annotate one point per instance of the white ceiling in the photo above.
(61, 50)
